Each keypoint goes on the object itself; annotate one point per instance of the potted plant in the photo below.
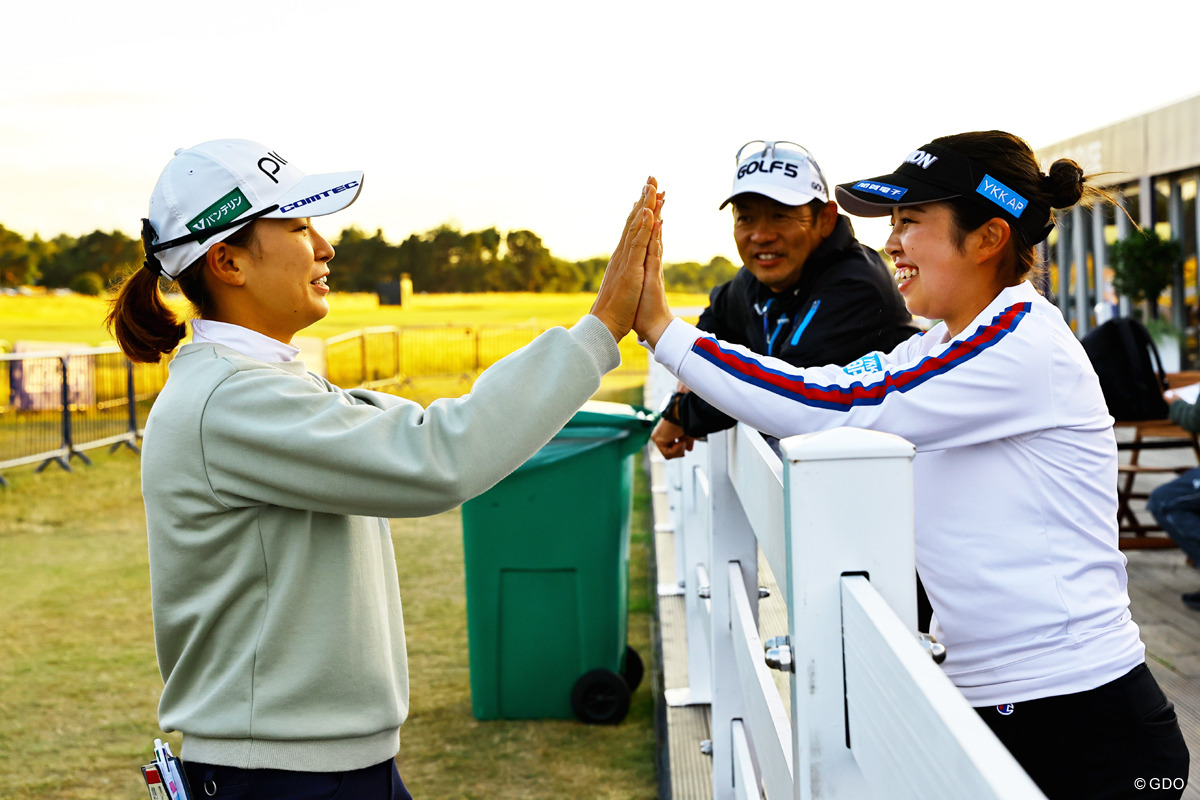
(1143, 264)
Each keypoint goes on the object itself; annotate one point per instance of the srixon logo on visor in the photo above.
(921, 159)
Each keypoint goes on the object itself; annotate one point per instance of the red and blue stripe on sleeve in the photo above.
(860, 393)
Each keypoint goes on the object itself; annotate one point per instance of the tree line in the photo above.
(442, 260)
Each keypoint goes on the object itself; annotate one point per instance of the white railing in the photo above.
(872, 715)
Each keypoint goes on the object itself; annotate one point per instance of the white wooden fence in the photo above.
(872, 715)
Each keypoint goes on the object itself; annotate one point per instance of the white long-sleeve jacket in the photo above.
(1015, 483)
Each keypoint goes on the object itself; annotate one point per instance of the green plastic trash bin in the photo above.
(547, 573)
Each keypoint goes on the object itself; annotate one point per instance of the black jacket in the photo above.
(844, 306)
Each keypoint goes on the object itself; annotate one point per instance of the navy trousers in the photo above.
(1117, 741)
(380, 782)
(1176, 506)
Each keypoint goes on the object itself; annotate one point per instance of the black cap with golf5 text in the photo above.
(934, 173)
(209, 191)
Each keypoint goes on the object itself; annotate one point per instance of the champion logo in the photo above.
(921, 159)
(1005, 709)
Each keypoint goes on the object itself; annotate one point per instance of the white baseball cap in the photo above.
(782, 171)
(209, 191)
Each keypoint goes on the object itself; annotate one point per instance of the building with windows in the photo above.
(1151, 165)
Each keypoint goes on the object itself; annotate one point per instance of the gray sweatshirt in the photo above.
(277, 614)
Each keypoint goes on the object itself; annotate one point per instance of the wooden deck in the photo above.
(1157, 577)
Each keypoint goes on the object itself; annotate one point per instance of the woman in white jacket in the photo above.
(1015, 472)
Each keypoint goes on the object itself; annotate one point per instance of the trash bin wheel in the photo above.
(634, 669)
(600, 697)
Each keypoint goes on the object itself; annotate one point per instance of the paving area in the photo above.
(1157, 577)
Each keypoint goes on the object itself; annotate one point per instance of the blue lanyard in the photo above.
(778, 327)
(804, 324)
(763, 312)
(779, 323)
(783, 320)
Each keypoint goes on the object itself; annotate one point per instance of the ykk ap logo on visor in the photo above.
(1002, 196)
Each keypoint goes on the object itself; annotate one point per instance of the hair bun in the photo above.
(1064, 183)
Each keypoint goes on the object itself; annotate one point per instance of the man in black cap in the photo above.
(808, 293)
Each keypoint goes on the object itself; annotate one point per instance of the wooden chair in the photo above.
(1155, 434)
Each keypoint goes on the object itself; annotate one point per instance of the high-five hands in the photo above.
(621, 288)
(653, 314)
(632, 294)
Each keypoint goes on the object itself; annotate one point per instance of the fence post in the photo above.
(686, 489)
(362, 357)
(67, 449)
(694, 540)
(849, 510)
(131, 398)
(732, 541)
(396, 374)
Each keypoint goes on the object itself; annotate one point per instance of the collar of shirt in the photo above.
(245, 341)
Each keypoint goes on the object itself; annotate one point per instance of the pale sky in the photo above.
(549, 115)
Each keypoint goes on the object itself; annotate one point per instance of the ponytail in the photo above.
(1064, 184)
(144, 325)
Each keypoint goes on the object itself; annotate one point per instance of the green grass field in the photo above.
(80, 319)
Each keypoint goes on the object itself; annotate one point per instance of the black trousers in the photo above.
(1120, 740)
(380, 782)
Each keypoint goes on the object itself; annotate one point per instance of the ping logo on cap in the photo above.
(921, 159)
(883, 189)
(1002, 196)
(227, 208)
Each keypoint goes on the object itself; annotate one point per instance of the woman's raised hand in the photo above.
(653, 315)
(621, 288)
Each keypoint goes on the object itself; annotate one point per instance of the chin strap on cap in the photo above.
(148, 236)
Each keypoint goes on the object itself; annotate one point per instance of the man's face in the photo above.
(774, 240)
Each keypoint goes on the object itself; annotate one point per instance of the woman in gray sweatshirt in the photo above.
(277, 612)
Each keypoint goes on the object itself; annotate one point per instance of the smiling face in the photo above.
(285, 273)
(774, 240)
(942, 273)
(922, 245)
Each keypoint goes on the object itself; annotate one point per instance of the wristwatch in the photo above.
(670, 409)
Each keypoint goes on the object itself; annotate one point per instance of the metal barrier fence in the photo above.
(383, 357)
(872, 715)
(56, 405)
